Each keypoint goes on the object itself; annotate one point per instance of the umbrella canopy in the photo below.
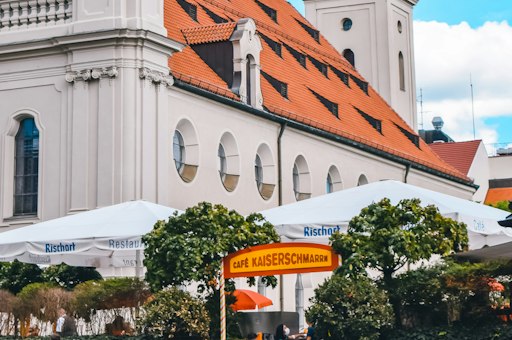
(247, 299)
(315, 219)
(104, 237)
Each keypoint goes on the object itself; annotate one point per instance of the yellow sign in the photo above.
(280, 258)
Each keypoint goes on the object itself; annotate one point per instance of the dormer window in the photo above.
(278, 85)
(190, 9)
(340, 74)
(315, 34)
(272, 13)
(274, 45)
(415, 139)
(300, 57)
(331, 106)
(216, 18)
(374, 122)
(319, 65)
(363, 85)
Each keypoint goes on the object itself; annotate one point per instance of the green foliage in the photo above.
(350, 308)
(189, 247)
(386, 237)
(503, 205)
(41, 300)
(68, 276)
(91, 296)
(492, 330)
(174, 313)
(16, 275)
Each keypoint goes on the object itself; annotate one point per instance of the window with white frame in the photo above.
(228, 161)
(185, 150)
(301, 179)
(264, 171)
(26, 173)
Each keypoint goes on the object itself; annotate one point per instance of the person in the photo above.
(282, 332)
(66, 325)
(311, 330)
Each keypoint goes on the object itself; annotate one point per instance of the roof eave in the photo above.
(346, 141)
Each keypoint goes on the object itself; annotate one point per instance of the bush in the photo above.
(113, 293)
(173, 313)
(348, 308)
(41, 300)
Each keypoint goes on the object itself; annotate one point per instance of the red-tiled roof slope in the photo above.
(304, 84)
(459, 154)
(496, 195)
(209, 34)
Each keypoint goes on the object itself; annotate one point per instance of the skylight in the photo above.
(340, 74)
(319, 65)
(216, 18)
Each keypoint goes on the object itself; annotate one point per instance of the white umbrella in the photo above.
(315, 219)
(104, 237)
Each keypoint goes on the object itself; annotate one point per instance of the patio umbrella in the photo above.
(101, 238)
(247, 299)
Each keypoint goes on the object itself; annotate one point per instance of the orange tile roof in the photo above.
(301, 105)
(496, 195)
(209, 34)
(459, 154)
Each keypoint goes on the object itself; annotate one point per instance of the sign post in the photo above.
(274, 259)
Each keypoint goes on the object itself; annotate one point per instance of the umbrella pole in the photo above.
(222, 303)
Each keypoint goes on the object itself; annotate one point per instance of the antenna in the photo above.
(420, 97)
(472, 105)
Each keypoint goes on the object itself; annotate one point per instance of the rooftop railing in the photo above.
(24, 14)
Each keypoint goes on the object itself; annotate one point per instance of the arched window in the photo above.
(401, 71)
(301, 179)
(362, 180)
(333, 181)
(229, 161)
(178, 148)
(349, 55)
(26, 168)
(264, 171)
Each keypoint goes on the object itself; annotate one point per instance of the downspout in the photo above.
(407, 168)
(280, 202)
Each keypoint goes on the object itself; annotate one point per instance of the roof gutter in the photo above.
(303, 127)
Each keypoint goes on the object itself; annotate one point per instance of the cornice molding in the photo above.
(91, 74)
(156, 77)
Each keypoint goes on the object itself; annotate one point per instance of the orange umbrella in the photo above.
(247, 299)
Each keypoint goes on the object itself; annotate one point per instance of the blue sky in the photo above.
(475, 36)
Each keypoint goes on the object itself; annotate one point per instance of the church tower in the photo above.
(376, 37)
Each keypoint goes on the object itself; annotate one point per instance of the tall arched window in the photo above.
(349, 55)
(401, 71)
(26, 168)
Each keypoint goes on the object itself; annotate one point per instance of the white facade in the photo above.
(95, 80)
(480, 172)
(380, 35)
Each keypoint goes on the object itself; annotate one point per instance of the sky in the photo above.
(458, 43)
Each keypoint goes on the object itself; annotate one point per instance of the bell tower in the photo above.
(376, 37)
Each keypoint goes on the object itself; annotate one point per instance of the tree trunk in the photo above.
(394, 299)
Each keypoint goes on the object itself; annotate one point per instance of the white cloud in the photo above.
(445, 57)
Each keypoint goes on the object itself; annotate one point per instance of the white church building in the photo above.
(239, 102)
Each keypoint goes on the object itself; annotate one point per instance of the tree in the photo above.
(69, 276)
(173, 313)
(190, 247)
(350, 308)
(386, 237)
(16, 275)
(503, 205)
